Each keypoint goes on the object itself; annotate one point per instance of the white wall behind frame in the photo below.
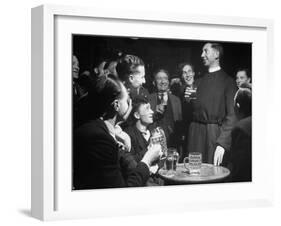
(68, 201)
(15, 112)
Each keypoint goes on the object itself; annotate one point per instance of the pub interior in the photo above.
(156, 112)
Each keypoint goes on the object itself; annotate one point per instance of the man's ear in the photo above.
(136, 115)
(217, 54)
(116, 105)
(130, 78)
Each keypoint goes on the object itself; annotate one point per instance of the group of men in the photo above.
(205, 124)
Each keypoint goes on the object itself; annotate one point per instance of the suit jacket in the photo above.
(241, 150)
(175, 102)
(139, 143)
(96, 160)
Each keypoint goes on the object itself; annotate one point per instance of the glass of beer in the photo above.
(193, 90)
(194, 160)
(172, 159)
(190, 92)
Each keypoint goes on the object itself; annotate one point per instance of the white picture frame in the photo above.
(52, 197)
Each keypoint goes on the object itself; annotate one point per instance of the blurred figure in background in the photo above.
(188, 81)
(243, 76)
(79, 91)
(241, 135)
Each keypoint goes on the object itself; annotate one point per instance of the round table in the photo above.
(208, 173)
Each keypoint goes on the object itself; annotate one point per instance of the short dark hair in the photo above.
(136, 103)
(218, 47)
(127, 65)
(244, 99)
(161, 70)
(183, 64)
(247, 71)
(102, 92)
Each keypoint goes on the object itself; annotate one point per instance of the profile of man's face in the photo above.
(145, 114)
(138, 77)
(209, 55)
(75, 67)
(162, 81)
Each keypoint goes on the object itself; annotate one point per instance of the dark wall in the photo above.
(160, 52)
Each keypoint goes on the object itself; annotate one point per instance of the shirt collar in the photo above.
(214, 69)
(110, 128)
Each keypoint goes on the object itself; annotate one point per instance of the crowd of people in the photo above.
(113, 116)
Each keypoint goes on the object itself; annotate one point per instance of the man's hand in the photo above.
(218, 157)
(160, 108)
(153, 153)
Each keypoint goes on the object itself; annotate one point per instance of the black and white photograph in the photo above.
(157, 112)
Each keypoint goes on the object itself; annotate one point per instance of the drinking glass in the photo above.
(194, 162)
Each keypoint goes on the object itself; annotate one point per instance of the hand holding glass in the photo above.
(190, 92)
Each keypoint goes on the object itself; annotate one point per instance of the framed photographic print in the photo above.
(131, 108)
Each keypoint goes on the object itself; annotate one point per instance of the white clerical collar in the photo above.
(214, 69)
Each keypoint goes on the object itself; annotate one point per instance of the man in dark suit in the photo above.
(96, 154)
(167, 108)
(241, 144)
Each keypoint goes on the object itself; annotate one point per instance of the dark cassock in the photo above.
(213, 115)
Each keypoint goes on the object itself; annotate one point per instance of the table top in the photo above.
(208, 173)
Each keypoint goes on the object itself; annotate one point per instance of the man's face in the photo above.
(241, 77)
(209, 55)
(187, 74)
(75, 67)
(162, 81)
(145, 114)
(138, 78)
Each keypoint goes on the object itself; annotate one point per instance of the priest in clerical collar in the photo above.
(213, 116)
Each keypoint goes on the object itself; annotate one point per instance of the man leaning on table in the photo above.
(213, 116)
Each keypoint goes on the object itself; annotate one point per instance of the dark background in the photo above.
(156, 53)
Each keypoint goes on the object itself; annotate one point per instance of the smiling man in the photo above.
(142, 117)
(131, 71)
(213, 115)
(167, 107)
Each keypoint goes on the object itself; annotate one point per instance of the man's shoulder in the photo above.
(244, 125)
(174, 97)
(131, 129)
(144, 92)
(152, 96)
(91, 128)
